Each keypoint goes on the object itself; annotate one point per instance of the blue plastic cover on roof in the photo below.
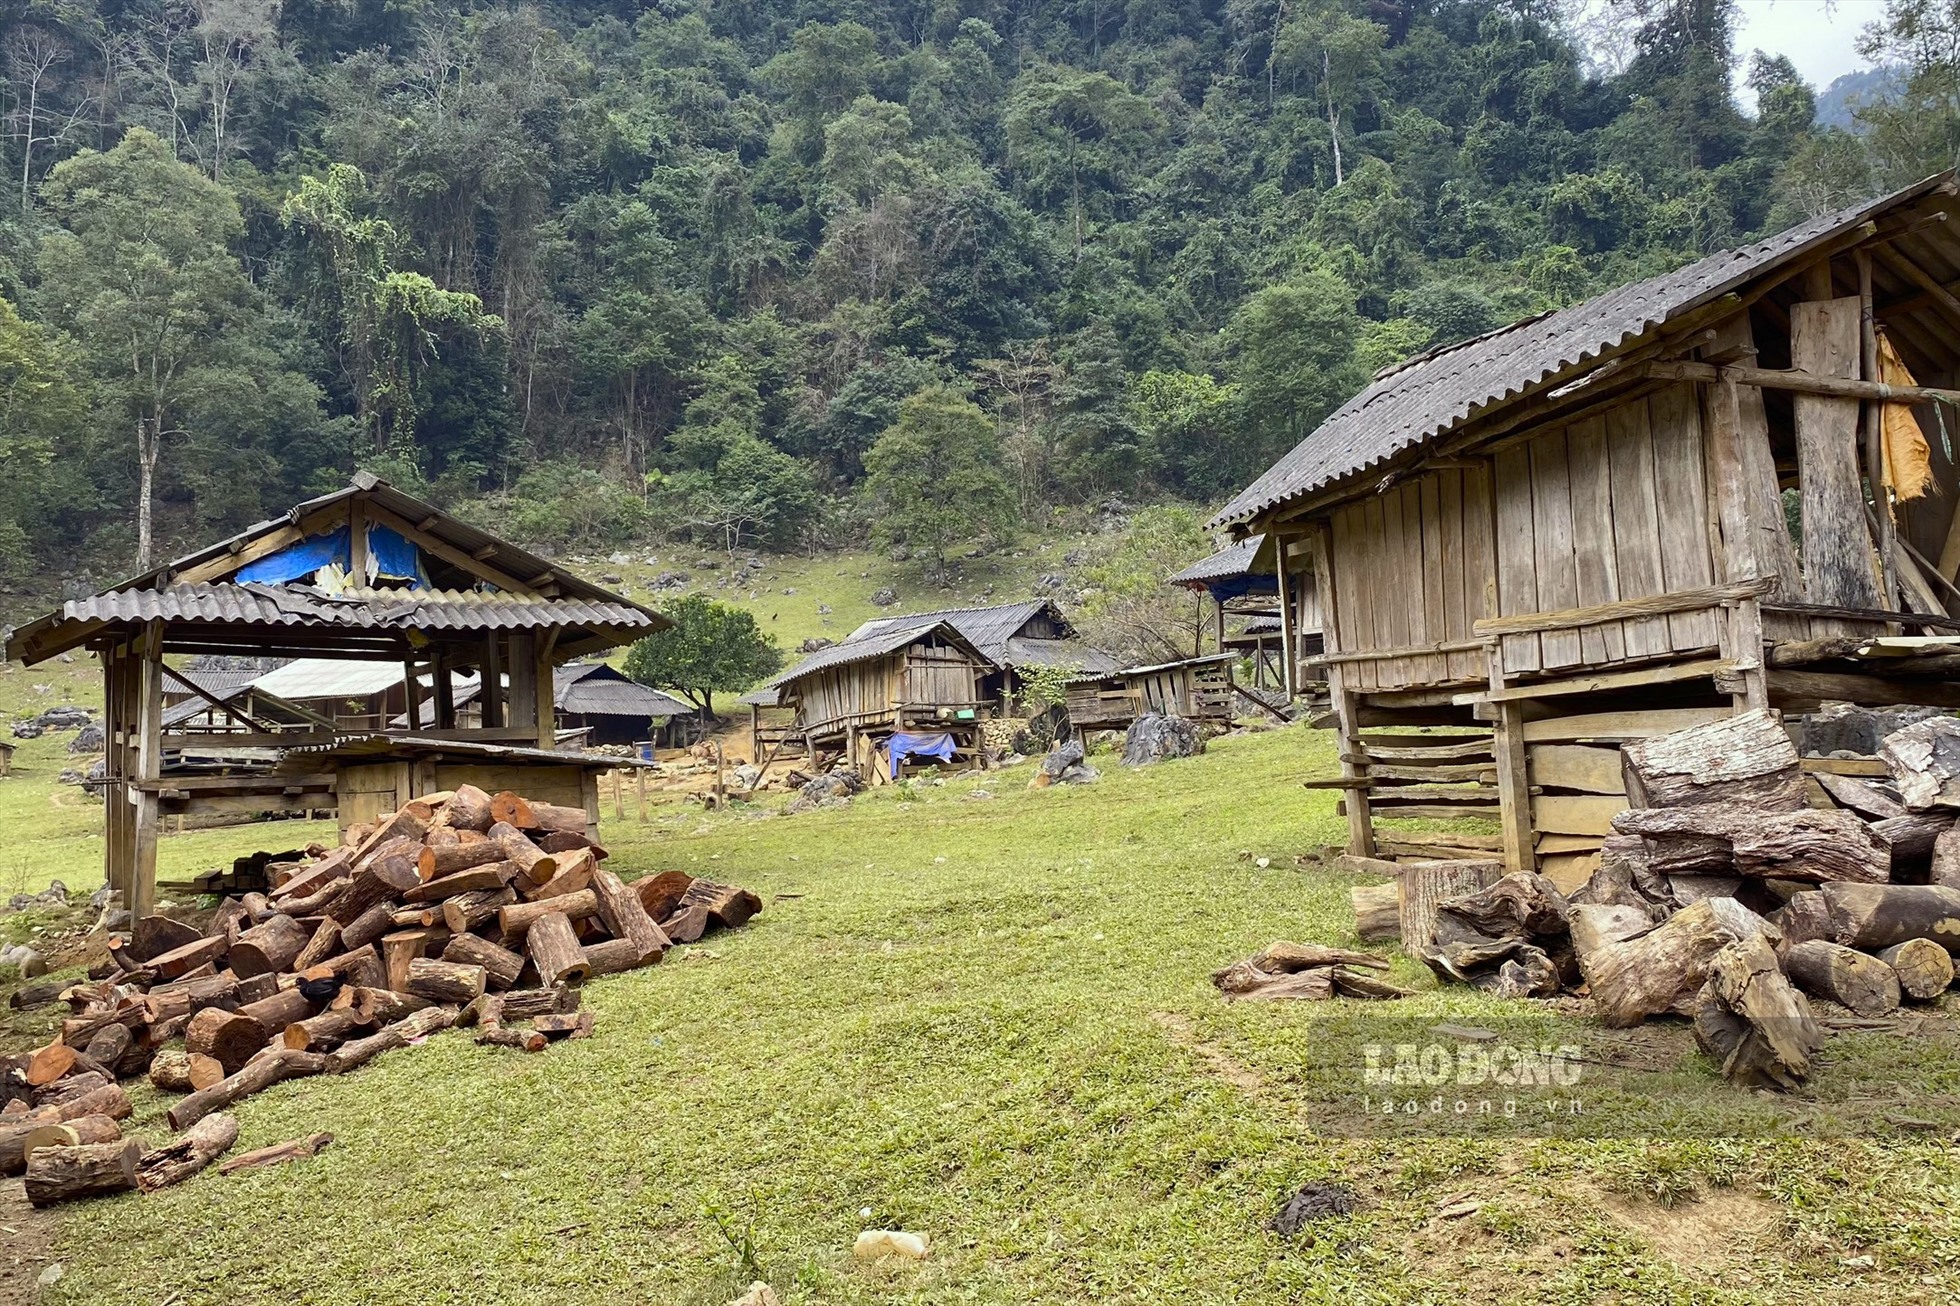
(297, 560)
(394, 558)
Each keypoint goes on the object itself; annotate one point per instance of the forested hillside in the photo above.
(805, 272)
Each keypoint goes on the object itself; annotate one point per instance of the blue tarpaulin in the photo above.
(938, 744)
(390, 555)
(394, 558)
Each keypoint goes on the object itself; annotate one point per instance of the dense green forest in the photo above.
(800, 273)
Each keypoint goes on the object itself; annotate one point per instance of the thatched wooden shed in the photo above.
(1703, 492)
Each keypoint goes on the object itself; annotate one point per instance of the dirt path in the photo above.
(26, 1245)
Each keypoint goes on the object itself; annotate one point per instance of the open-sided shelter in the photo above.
(367, 572)
(1708, 491)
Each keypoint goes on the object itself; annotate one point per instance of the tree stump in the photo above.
(63, 1174)
(1846, 976)
(1924, 968)
(1427, 884)
(1377, 911)
(1746, 759)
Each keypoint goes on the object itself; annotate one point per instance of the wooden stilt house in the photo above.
(1713, 490)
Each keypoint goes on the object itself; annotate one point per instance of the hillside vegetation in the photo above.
(820, 276)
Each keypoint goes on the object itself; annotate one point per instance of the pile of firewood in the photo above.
(461, 909)
(1732, 891)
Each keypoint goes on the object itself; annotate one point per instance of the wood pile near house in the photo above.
(463, 908)
(1733, 890)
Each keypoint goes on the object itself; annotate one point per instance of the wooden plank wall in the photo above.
(1412, 568)
(1613, 507)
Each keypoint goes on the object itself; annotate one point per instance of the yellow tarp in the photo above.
(1908, 468)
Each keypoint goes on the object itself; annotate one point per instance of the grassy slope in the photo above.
(989, 1021)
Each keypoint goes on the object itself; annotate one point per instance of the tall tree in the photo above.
(710, 648)
(935, 476)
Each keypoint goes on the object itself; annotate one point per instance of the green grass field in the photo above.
(989, 1020)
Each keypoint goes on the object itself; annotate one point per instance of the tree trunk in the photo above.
(446, 982)
(533, 863)
(260, 1074)
(466, 911)
(324, 944)
(1924, 969)
(368, 927)
(500, 966)
(437, 862)
(63, 1174)
(1747, 760)
(270, 948)
(384, 880)
(1809, 845)
(179, 1159)
(429, 1020)
(554, 949)
(1847, 977)
(1873, 916)
(1424, 886)
(1659, 969)
(324, 1032)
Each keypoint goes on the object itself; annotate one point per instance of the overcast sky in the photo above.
(1818, 36)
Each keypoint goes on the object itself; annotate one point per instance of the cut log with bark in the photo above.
(1924, 759)
(180, 961)
(109, 1045)
(109, 1100)
(553, 1001)
(1714, 838)
(1945, 866)
(623, 913)
(1377, 912)
(176, 1071)
(501, 966)
(466, 911)
(75, 1133)
(180, 1158)
(258, 1075)
(661, 894)
(436, 863)
(615, 956)
(35, 995)
(1752, 1021)
(324, 944)
(65, 1174)
(324, 1032)
(295, 1149)
(153, 936)
(383, 880)
(533, 863)
(400, 950)
(558, 1026)
(1746, 759)
(515, 921)
(420, 1024)
(555, 818)
(369, 926)
(573, 873)
(1923, 967)
(446, 982)
(491, 875)
(508, 807)
(1844, 975)
(377, 1006)
(231, 1038)
(85, 1078)
(565, 841)
(1875, 916)
(553, 947)
(1659, 969)
(1425, 885)
(49, 1063)
(269, 948)
(469, 809)
(727, 906)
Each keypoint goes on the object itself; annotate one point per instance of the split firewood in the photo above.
(1809, 845)
(1872, 916)
(231, 1038)
(227, 921)
(297, 1149)
(75, 1133)
(180, 1158)
(661, 894)
(1752, 1021)
(258, 1075)
(63, 1174)
(1924, 968)
(361, 966)
(623, 913)
(176, 1071)
(553, 948)
(1846, 976)
(501, 966)
(333, 866)
(1746, 759)
(269, 948)
(1661, 968)
(469, 809)
(1924, 759)
(1377, 912)
(1861, 796)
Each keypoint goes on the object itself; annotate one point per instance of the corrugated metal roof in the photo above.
(1070, 654)
(395, 745)
(875, 645)
(315, 678)
(1433, 392)
(995, 631)
(394, 610)
(1233, 560)
(595, 689)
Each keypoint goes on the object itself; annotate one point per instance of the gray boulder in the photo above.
(1155, 738)
(88, 739)
(885, 597)
(1066, 766)
(832, 789)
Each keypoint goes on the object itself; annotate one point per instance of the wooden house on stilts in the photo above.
(1732, 486)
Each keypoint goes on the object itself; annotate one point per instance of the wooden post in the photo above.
(490, 692)
(640, 790)
(1837, 545)
(1287, 645)
(357, 544)
(545, 709)
(149, 757)
(411, 696)
(1513, 783)
(1888, 527)
(1360, 820)
(443, 689)
(619, 809)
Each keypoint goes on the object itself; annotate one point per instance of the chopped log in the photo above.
(86, 1077)
(180, 1158)
(269, 948)
(554, 949)
(226, 921)
(558, 1026)
(1751, 1021)
(490, 875)
(368, 927)
(382, 880)
(686, 925)
(324, 1032)
(1874, 916)
(109, 1100)
(1805, 916)
(533, 863)
(615, 956)
(574, 872)
(76, 1133)
(1281, 958)
(400, 949)
(1945, 868)
(1807, 845)
(332, 866)
(324, 944)
(257, 989)
(1913, 838)
(1923, 967)
(466, 911)
(296, 1149)
(176, 1071)
(1924, 759)
(446, 982)
(187, 997)
(565, 841)
(377, 1006)
(153, 936)
(1693, 888)
(500, 966)
(420, 1024)
(1846, 976)
(63, 1174)
(35, 995)
(1660, 968)
(108, 1046)
(409, 825)
(1746, 759)
(1424, 886)
(554, 818)
(179, 961)
(1522, 905)
(279, 1010)
(49, 1063)
(516, 920)
(553, 1001)
(726, 905)
(230, 1037)
(1377, 911)
(508, 807)
(314, 904)
(661, 894)
(257, 1075)
(437, 862)
(1861, 796)
(586, 1023)
(527, 1040)
(469, 809)
(621, 910)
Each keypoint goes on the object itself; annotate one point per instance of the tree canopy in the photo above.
(710, 648)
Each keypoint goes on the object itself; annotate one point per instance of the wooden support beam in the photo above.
(1794, 689)
(1801, 381)
(1513, 788)
(1701, 668)
(1689, 600)
(1361, 828)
